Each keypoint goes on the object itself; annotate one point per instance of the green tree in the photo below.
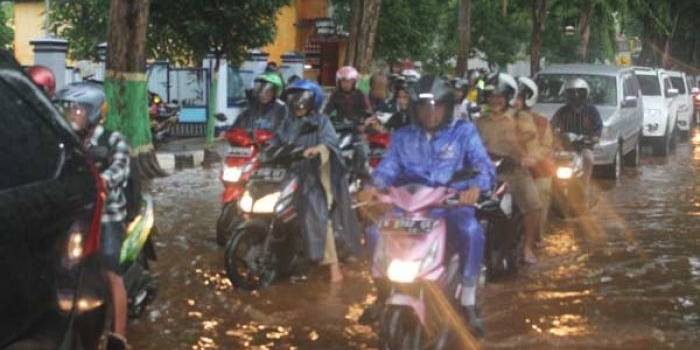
(500, 30)
(407, 29)
(7, 35)
(84, 23)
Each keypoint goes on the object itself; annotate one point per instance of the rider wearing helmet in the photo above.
(84, 107)
(464, 108)
(43, 77)
(324, 178)
(430, 152)
(544, 168)
(508, 134)
(402, 106)
(266, 110)
(579, 116)
(378, 88)
(346, 102)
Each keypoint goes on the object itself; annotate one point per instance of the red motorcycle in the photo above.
(240, 162)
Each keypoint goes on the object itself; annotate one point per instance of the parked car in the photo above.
(615, 93)
(660, 115)
(684, 101)
(53, 293)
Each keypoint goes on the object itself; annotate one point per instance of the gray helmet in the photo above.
(577, 83)
(89, 95)
(431, 90)
(576, 90)
(502, 84)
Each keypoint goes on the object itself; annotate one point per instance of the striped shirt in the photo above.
(583, 121)
(114, 173)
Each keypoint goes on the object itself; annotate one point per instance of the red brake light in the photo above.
(239, 137)
(92, 243)
(381, 138)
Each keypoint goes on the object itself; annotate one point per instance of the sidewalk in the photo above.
(185, 153)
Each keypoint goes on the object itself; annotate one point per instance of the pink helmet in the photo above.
(43, 77)
(346, 73)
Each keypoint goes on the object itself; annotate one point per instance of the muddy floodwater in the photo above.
(627, 277)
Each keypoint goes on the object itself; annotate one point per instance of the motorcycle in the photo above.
(268, 243)
(240, 162)
(136, 253)
(569, 192)
(162, 116)
(424, 273)
(378, 144)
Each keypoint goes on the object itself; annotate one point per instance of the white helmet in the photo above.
(411, 75)
(528, 90)
(576, 90)
(577, 83)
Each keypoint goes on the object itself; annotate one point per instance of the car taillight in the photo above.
(92, 240)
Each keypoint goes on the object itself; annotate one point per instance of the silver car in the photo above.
(615, 93)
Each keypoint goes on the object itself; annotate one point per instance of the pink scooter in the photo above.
(424, 274)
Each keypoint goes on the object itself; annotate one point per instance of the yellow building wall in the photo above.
(286, 34)
(29, 25)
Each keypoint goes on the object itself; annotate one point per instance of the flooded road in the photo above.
(626, 278)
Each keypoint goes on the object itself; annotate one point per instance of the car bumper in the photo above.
(604, 152)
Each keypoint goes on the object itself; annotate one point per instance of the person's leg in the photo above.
(471, 249)
(111, 241)
(527, 199)
(544, 188)
(588, 162)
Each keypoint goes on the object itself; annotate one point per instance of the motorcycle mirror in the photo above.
(220, 117)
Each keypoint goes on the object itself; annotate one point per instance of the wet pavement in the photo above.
(627, 277)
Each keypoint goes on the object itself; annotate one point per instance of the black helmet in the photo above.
(501, 84)
(431, 90)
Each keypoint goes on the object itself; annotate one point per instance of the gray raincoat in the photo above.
(313, 206)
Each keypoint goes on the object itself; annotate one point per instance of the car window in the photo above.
(678, 84)
(650, 85)
(667, 85)
(628, 87)
(30, 146)
(551, 88)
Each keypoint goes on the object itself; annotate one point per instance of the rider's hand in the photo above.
(470, 196)
(312, 152)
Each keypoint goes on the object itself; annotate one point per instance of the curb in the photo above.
(171, 162)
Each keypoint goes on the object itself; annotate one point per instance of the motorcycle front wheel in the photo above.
(248, 265)
(228, 219)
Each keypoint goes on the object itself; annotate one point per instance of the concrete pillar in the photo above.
(51, 53)
(292, 64)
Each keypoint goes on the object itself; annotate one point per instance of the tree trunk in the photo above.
(364, 19)
(464, 34)
(125, 82)
(584, 25)
(539, 16)
(648, 55)
(666, 59)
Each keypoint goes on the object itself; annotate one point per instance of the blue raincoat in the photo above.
(415, 157)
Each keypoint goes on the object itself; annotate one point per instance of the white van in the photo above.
(660, 116)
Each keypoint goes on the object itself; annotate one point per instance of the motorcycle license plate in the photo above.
(269, 174)
(411, 226)
(240, 151)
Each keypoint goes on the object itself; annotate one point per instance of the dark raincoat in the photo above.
(313, 207)
(268, 117)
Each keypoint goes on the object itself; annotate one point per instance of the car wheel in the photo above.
(614, 170)
(673, 142)
(633, 159)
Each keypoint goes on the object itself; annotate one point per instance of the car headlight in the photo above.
(565, 172)
(246, 202)
(403, 271)
(232, 174)
(266, 204)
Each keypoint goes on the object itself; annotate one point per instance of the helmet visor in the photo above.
(264, 91)
(76, 114)
(300, 102)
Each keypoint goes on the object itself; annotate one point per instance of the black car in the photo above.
(53, 294)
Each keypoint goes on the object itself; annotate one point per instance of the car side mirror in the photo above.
(629, 102)
(672, 92)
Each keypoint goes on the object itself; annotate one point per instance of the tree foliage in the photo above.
(407, 28)
(183, 30)
(6, 33)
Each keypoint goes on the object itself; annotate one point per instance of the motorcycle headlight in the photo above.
(246, 202)
(565, 172)
(403, 271)
(266, 204)
(75, 247)
(232, 174)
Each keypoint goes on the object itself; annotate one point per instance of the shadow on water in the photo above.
(625, 277)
